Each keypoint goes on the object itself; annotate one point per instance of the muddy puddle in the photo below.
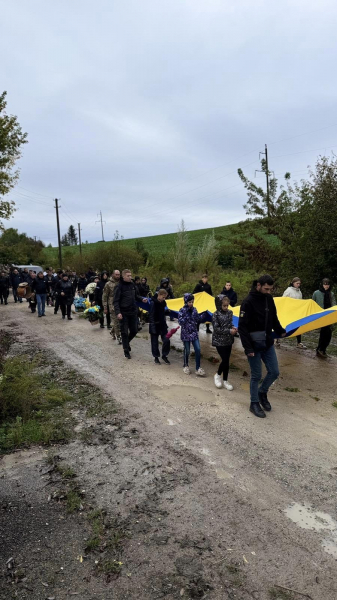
(307, 518)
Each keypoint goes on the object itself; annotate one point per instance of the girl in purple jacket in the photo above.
(189, 319)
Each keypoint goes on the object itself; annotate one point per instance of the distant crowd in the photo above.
(119, 297)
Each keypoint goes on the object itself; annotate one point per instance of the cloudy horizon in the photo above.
(145, 111)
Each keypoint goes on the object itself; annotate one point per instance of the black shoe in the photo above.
(102, 326)
(109, 326)
(63, 317)
(166, 360)
(264, 401)
(39, 315)
(157, 361)
(127, 354)
(256, 409)
(208, 330)
(70, 318)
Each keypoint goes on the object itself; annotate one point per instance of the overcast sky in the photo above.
(145, 109)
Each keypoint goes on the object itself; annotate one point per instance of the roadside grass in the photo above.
(38, 397)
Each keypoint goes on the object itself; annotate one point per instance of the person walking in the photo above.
(108, 305)
(189, 319)
(230, 293)
(99, 297)
(204, 286)
(40, 288)
(32, 298)
(15, 279)
(65, 294)
(325, 298)
(293, 291)
(82, 283)
(125, 297)
(258, 318)
(222, 339)
(4, 287)
(51, 282)
(144, 288)
(158, 327)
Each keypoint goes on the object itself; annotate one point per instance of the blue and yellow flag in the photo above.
(296, 316)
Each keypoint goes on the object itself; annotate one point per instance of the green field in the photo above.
(161, 244)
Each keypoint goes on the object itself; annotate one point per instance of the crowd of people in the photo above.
(120, 296)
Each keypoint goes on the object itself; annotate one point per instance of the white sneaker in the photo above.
(218, 380)
(301, 346)
(187, 370)
(200, 372)
(227, 385)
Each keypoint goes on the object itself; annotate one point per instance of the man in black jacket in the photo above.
(15, 279)
(230, 293)
(258, 319)
(204, 286)
(125, 297)
(158, 327)
(4, 287)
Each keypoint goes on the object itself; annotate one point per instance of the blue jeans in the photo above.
(41, 303)
(255, 362)
(187, 348)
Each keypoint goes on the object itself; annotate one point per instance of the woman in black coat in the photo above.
(65, 293)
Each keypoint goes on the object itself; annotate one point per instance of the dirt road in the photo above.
(220, 504)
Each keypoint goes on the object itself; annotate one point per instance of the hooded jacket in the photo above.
(144, 288)
(292, 292)
(231, 295)
(203, 287)
(157, 318)
(253, 318)
(222, 324)
(188, 319)
(165, 285)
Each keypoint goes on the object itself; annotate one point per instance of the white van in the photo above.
(35, 268)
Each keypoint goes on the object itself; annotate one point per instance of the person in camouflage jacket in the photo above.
(108, 303)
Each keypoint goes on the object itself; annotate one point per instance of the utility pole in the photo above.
(100, 212)
(79, 237)
(58, 231)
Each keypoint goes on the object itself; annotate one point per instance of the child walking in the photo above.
(189, 319)
(222, 339)
(158, 327)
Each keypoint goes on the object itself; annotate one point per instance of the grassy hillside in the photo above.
(160, 244)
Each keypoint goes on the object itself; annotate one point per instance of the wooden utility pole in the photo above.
(267, 178)
(79, 237)
(58, 231)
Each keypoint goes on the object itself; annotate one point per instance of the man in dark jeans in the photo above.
(258, 316)
(15, 279)
(125, 297)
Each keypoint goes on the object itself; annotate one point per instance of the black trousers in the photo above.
(65, 309)
(4, 296)
(324, 338)
(108, 319)
(155, 345)
(129, 329)
(225, 352)
(57, 303)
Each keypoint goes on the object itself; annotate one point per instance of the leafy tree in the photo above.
(72, 236)
(140, 248)
(207, 254)
(18, 248)
(182, 253)
(270, 207)
(11, 140)
(309, 234)
(65, 240)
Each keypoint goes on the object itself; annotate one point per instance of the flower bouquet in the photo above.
(93, 314)
(80, 305)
